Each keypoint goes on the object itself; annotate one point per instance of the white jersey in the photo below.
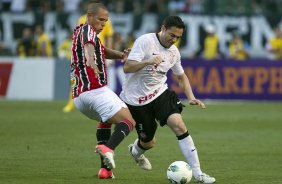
(147, 84)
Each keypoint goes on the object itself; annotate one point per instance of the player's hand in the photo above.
(95, 68)
(197, 102)
(125, 54)
(155, 60)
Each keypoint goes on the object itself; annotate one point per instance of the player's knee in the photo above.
(178, 127)
(127, 115)
(132, 121)
(182, 129)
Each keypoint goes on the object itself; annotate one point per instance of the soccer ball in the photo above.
(179, 172)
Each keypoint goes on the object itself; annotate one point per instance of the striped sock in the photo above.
(122, 129)
(103, 134)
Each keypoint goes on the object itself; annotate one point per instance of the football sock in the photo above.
(122, 129)
(188, 149)
(103, 134)
(137, 149)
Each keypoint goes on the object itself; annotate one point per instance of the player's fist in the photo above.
(155, 60)
(125, 54)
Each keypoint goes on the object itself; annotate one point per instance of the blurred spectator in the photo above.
(64, 49)
(43, 43)
(274, 46)
(4, 51)
(26, 46)
(211, 44)
(236, 48)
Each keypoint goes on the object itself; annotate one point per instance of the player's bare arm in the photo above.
(132, 66)
(89, 55)
(114, 54)
(184, 83)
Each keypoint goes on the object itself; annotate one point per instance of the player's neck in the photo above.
(159, 38)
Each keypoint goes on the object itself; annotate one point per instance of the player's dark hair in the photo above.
(173, 21)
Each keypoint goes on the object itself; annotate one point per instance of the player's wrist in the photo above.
(148, 62)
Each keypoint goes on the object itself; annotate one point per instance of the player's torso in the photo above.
(82, 76)
(156, 75)
(148, 83)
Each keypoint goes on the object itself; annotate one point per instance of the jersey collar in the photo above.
(160, 41)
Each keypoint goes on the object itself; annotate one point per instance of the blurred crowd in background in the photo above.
(34, 41)
(233, 7)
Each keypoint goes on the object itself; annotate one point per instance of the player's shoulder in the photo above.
(80, 26)
(146, 37)
(174, 49)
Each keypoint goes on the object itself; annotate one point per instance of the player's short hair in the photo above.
(173, 21)
(94, 6)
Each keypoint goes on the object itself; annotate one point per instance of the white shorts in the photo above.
(99, 104)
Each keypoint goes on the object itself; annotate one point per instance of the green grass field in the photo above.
(238, 143)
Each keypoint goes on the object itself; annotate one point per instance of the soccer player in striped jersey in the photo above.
(146, 93)
(106, 38)
(91, 95)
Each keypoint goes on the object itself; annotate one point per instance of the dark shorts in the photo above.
(158, 110)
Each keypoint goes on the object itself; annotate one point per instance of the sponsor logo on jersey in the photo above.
(148, 97)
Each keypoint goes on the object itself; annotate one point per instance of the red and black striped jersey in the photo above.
(82, 76)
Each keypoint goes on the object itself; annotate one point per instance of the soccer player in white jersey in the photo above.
(146, 93)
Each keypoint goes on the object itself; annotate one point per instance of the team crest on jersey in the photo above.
(171, 56)
(74, 80)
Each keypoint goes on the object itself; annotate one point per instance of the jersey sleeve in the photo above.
(177, 69)
(88, 35)
(137, 52)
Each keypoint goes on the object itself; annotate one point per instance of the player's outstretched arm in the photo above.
(113, 54)
(186, 87)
